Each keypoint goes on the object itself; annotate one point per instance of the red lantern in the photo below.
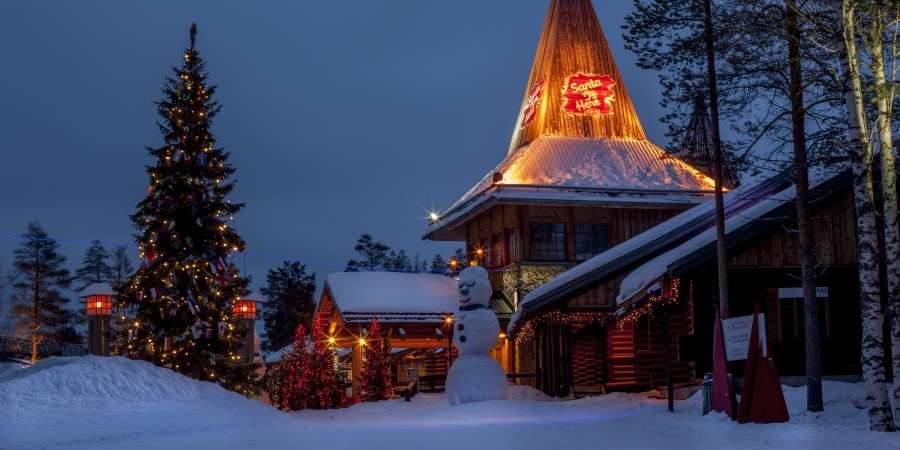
(244, 309)
(98, 299)
(99, 305)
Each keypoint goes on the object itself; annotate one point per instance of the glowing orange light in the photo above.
(99, 305)
(502, 335)
(244, 309)
(362, 342)
(448, 319)
(331, 340)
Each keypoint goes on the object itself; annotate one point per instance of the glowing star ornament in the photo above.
(588, 95)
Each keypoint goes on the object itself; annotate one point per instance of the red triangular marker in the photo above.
(723, 396)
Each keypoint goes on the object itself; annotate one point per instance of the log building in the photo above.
(579, 176)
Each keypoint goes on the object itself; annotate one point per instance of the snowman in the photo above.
(475, 376)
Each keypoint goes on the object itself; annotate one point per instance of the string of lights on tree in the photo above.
(185, 288)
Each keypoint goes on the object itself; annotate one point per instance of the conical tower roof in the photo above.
(574, 59)
(577, 138)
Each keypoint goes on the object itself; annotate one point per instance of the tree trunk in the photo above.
(721, 248)
(879, 408)
(807, 238)
(35, 308)
(884, 99)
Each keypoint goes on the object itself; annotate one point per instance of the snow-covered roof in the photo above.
(585, 170)
(97, 289)
(647, 244)
(392, 296)
(649, 274)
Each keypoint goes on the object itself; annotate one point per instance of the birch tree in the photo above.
(879, 408)
(882, 29)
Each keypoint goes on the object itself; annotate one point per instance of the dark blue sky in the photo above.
(342, 117)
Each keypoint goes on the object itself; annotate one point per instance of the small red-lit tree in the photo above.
(322, 390)
(308, 378)
(293, 375)
(375, 381)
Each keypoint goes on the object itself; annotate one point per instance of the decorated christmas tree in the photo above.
(323, 390)
(184, 290)
(308, 378)
(375, 381)
(292, 374)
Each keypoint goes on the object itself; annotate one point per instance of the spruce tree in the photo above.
(290, 301)
(184, 290)
(375, 381)
(438, 265)
(95, 267)
(39, 304)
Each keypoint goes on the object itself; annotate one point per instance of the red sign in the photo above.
(588, 95)
(529, 110)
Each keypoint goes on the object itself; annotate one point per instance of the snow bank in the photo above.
(62, 403)
(73, 400)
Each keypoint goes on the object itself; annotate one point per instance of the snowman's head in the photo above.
(474, 287)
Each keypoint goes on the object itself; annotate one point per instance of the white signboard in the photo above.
(796, 292)
(736, 333)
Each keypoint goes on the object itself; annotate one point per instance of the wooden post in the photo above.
(670, 387)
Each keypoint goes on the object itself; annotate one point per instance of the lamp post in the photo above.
(244, 310)
(98, 300)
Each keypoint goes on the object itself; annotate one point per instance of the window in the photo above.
(590, 239)
(548, 241)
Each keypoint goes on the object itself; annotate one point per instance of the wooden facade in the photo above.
(628, 352)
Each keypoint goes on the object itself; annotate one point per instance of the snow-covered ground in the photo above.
(115, 403)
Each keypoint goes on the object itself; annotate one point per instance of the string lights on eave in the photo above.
(525, 331)
(652, 304)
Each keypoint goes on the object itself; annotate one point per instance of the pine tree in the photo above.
(375, 381)
(121, 267)
(458, 262)
(183, 293)
(438, 265)
(292, 371)
(290, 301)
(121, 270)
(374, 253)
(38, 303)
(95, 267)
(398, 262)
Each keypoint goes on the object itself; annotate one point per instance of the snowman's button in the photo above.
(460, 327)
(462, 338)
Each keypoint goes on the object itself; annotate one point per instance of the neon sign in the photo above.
(588, 95)
(529, 109)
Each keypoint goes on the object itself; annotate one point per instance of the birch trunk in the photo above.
(879, 408)
(884, 99)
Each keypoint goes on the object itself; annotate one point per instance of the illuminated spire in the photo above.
(575, 88)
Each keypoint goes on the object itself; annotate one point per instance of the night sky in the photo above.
(342, 117)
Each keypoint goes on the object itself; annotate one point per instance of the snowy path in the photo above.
(83, 403)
